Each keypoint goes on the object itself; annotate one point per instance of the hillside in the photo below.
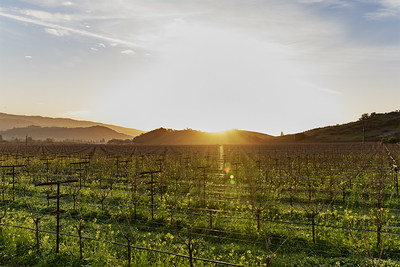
(9, 121)
(163, 136)
(93, 133)
(375, 125)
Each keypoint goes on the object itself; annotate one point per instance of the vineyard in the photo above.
(270, 205)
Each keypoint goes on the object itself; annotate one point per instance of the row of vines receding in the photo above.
(272, 205)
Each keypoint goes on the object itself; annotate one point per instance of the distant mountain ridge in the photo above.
(83, 134)
(162, 136)
(370, 127)
(9, 121)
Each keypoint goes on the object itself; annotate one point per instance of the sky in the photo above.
(270, 66)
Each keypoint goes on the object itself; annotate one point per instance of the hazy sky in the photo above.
(262, 65)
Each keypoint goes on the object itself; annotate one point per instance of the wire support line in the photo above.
(125, 245)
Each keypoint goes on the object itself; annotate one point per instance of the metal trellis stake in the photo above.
(152, 182)
(80, 169)
(58, 211)
(13, 173)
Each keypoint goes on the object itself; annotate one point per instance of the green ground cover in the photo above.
(277, 205)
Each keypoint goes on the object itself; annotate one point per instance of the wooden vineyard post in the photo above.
(58, 211)
(46, 163)
(151, 183)
(12, 173)
(80, 169)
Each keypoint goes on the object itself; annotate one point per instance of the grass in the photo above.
(241, 213)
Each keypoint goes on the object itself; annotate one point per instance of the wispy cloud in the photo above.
(57, 32)
(57, 29)
(389, 9)
(200, 48)
(128, 52)
(333, 3)
(68, 3)
(45, 16)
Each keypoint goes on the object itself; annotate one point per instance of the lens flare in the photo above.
(232, 181)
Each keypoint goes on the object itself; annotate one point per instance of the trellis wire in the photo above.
(125, 245)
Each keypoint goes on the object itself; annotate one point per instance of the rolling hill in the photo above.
(83, 134)
(9, 121)
(162, 136)
(374, 127)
